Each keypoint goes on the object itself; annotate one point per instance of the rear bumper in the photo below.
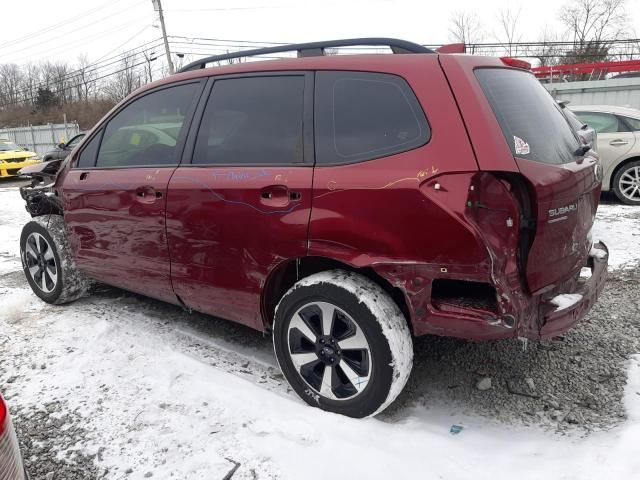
(556, 320)
(526, 316)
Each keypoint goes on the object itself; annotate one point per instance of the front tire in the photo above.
(342, 343)
(626, 183)
(48, 262)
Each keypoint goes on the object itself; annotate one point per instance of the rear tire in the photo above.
(48, 262)
(342, 343)
(626, 183)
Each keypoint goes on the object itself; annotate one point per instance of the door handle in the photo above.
(276, 195)
(147, 194)
(295, 196)
(617, 142)
(84, 175)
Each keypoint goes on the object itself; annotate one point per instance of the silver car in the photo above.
(618, 130)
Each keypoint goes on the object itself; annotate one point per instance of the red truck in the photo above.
(344, 202)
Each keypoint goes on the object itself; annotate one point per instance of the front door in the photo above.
(115, 196)
(242, 206)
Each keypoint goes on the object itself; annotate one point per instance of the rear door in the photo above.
(115, 195)
(241, 206)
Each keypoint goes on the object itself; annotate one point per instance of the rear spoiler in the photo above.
(452, 48)
(516, 62)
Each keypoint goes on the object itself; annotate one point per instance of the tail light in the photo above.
(10, 460)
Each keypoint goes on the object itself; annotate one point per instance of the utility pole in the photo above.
(157, 6)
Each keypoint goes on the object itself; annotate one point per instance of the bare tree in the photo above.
(592, 24)
(30, 82)
(126, 79)
(61, 81)
(549, 53)
(509, 31)
(11, 79)
(465, 27)
(84, 79)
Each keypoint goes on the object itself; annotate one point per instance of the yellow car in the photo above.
(14, 157)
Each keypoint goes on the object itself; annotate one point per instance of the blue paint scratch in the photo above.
(237, 176)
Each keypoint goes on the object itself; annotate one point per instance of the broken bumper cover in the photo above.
(557, 319)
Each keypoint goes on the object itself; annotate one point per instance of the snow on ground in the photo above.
(175, 396)
(618, 226)
(161, 406)
(12, 214)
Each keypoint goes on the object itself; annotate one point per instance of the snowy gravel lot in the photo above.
(119, 386)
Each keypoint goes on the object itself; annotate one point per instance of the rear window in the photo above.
(532, 122)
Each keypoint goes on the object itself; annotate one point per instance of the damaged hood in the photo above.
(49, 169)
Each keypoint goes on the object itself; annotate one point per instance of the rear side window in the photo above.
(146, 131)
(532, 122)
(633, 123)
(252, 120)
(603, 122)
(361, 116)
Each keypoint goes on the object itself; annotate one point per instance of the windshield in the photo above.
(532, 122)
(8, 146)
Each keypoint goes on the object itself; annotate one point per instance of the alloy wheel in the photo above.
(630, 184)
(329, 351)
(41, 262)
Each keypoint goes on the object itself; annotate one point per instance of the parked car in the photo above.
(13, 157)
(11, 467)
(618, 146)
(63, 149)
(344, 202)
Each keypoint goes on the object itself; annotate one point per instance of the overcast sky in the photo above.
(63, 29)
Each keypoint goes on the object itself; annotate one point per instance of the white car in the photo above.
(618, 131)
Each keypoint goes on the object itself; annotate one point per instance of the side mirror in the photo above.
(61, 146)
(25, 149)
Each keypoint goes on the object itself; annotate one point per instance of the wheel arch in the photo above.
(619, 167)
(288, 272)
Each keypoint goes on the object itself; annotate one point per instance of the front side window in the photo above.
(603, 122)
(361, 116)
(532, 122)
(146, 131)
(87, 157)
(252, 120)
(74, 141)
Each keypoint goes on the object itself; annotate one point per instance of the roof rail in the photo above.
(314, 49)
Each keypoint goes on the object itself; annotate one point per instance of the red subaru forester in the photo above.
(344, 202)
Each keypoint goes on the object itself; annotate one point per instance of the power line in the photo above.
(93, 69)
(65, 22)
(83, 41)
